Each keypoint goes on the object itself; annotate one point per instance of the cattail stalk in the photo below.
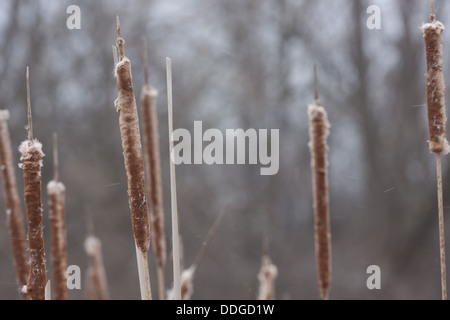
(13, 208)
(31, 158)
(435, 89)
(48, 291)
(56, 203)
(153, 173)
(318, 131)
(266, 277)
(134, 164)
(173, 189)
(96, 283)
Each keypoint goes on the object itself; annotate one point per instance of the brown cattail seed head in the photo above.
(153, 171)
(132, 152)
(13, 208)
(56, 204)
(319, 130)
(31, 151)
(435, 85)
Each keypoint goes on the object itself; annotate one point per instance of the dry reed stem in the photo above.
(114, 51)
(318, 131)
(432, 16)
(144, 277)
(173, 189)
(133, 158)
(48, 291)
(56, 202)
(96, 283)
(13, 208)
(153, 173)
(266, 277)
(441, 228)
(31, 158)
(209, 236)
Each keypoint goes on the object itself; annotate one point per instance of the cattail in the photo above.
(153, 173)
(96, 284)
(31, 158)
(435, 89)
(318, 131)
(56, 203)
(266, 277)
(134, 163)
(13, 208)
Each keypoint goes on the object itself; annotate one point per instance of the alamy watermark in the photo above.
(374, 20)
(231, 149)
(74, 20)
(374, 280)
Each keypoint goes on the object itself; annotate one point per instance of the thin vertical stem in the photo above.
(114, 51)
(211, 233)
(120, 41)
(432, 16)
(441, 227)
(55, 157)
(145, 57)
(316, 90)
(144, 277)
(48, 291)
(173, 189)
(30, 120)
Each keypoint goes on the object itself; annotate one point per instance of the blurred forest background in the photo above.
(239, 64)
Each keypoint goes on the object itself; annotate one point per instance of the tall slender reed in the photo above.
(56, 203)
(173, 189)
(31, 158)
(96, 283)
(134, 164)
(435, 89)
(14, 213)
(318, 131)
(153, 172)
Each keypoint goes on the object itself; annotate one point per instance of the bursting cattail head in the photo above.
(266, 277)
(187, 285)
(435, 86)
